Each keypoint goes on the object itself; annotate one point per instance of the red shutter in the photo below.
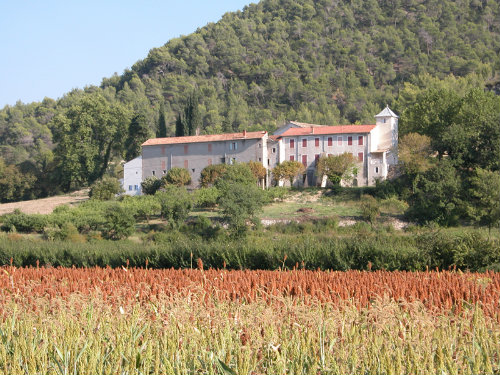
(349, 141)
(163, 150)
(304, 143)
(209, 147)
(316, 158)
(186, 149)
(304, 160)
(360, 156)
(186, 164)
(292, 143)
(360, 140)
(292, 158)
(316, 142)
(330, 141)
(339, 141)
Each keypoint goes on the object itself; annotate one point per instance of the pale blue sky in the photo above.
(50, 47)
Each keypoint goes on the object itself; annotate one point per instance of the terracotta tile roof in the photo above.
(204, 138)
(304, 124)
(323, 130)
(274, 137)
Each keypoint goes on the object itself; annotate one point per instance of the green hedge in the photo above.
(263, 251)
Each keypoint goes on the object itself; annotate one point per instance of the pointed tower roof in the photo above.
(387, 112)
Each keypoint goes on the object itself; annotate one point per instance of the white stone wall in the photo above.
(132, 176)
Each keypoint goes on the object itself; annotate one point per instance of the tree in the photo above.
(370, 209)
(119, 222)
(176, 203)
(177, 176)
(415, 153)
(289, 170)
(86, 136)
(484, 207)
(437, 195)
(189, 121)
(138, 133)
(337, 167)
(14, 185)
(162, 122)
(258, 170)
(212, 173)
(105, 189)
(239, 203)
(239, 173)
(151, 185)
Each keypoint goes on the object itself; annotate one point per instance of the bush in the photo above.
(151, 185)
(105, 189)
(206, 197)
(119, 222)
(177, 176)
(175, 203)
(21, 222)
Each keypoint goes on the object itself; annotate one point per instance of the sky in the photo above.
(50, 47)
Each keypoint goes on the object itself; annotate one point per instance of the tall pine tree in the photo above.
(162, 123)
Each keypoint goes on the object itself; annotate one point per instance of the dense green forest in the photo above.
(328, 62)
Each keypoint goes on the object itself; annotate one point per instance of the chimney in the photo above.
(312, 129)
(244, 133)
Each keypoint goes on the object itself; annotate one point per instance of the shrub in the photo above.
(21, 222)
(105, 189)
(176, 203)
(119, 223)
(206, 197)
(212, 173)
(177, 176)
(370, 209)
(151, 185)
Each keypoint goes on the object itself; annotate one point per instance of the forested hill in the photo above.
(326, 61)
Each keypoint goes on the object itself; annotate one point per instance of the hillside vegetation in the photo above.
(325, 62)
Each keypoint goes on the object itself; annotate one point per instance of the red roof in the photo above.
(323, 130)
(204, 138)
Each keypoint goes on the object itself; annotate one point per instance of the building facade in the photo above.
(132, 176)
(374, 146)
(194, 153)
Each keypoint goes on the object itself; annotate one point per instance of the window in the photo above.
(292, 143)
(163, 165)
(274, 150)
(209, 147)
(330, 141)
(304, 142)
(130, 188)
(292, 158)
(186, 149)
(360, 156)
(193, 170)
(232, 161)
(376, 169)
(153, 173)
(163, 150)
(360, 140)
(316, 158)
(316, 142)
(233, 146)
(384, 121)
(339, 141)
(268, 162)
(304, 160)
(164, 171)
(260, 159)
(349, 141)
(186, 164)
(136, 187)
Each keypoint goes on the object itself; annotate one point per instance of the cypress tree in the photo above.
(162, 123)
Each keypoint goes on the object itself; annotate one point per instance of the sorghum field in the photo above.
(195, 321)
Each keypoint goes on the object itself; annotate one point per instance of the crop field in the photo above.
(196, 321)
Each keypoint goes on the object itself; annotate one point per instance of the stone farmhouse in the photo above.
(375, 147)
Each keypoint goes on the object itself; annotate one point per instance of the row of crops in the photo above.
(138, 321)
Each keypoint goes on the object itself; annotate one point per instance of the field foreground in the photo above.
(138, 321)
